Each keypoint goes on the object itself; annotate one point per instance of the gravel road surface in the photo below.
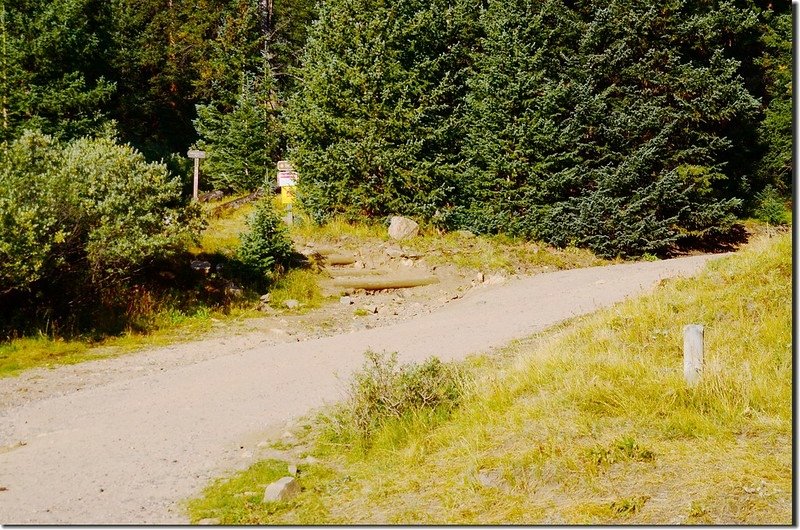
(125, 440)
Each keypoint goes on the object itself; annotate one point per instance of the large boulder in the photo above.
(402, 228)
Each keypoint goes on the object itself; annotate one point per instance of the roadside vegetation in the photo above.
(249, 252)
(589, 422)
(558, 133)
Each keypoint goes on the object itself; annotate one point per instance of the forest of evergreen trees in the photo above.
(623, 126)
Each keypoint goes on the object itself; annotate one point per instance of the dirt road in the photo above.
(124, 440)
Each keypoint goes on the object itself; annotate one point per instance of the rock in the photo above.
(345, 300)
(394, 252)
(199, 265)
(359, 265)
(234, 291)
(410, 254)
(210, 196)
(266, 297)
(490, 478)
(402, 228)
(480, 277)
(407, 262)
(292, 469)
(495, 279)
(282, 489)
(209, 521)
(291, 304)
(309, 460)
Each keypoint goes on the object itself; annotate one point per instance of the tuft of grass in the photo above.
(498, 253)
(336, 230)
(221, 235)
(385, 394)
(592, 422)
(297, 284)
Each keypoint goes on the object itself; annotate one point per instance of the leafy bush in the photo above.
(79, 221)
(383, 391)
(771, 207)
(88, 202)
(265, 247)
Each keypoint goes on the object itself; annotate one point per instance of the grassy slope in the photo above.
(167, 325)
(587, 423)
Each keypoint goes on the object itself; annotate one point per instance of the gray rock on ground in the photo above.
(345, 300)
(291, 304)
(491, 478)
(402, 228)
(394, 252)
(282, 489)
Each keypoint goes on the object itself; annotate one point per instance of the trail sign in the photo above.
(287, 180)
(196, 155)
(287, 176)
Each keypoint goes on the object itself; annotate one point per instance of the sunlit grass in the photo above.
(297, 284)
(166, 327)
(591, 423)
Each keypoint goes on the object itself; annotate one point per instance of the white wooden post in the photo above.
(196, 178)
(196, 155)
(692, 353)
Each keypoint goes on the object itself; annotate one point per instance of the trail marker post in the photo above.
(287, 181)
(196, 155)
(692, 353)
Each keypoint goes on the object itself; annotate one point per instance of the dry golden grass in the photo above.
(589, 423)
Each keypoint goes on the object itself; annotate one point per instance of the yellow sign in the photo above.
(287, 195)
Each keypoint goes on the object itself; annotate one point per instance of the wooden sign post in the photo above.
(196, 156)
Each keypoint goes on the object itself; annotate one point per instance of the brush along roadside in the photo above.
(590, 422)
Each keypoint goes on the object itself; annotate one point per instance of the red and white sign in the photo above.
(287, 176)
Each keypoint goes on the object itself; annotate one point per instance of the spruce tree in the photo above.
(625, 113)
(375, 129)
(54, 71)
(243, 143)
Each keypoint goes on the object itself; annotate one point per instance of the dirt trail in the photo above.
(124, 440)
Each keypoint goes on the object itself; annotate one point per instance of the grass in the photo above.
(587, 423)
(297, 284)
(499, 253)
(166, 327)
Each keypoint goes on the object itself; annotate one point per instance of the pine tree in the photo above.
(375, 127)
(775, 131)
(54, 73)
(243, 144)
(620, 123)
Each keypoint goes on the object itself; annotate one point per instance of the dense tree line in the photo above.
(624, 126)
(71, 68)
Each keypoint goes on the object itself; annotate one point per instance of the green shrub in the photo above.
(90, 205)
(771, 207)
(80, 223)
(266, 247)
(383, 391)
